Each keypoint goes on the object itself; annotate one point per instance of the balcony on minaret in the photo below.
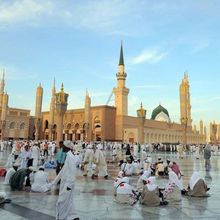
(141, 113)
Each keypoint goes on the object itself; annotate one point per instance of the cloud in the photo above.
(12, 73)
(105, 15)
(148, 56)
(24, 11)
(200, 46)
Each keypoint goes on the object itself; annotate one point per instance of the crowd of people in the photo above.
(28, 162)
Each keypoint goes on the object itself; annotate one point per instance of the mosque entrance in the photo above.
(131, 140)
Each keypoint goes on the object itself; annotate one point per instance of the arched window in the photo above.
(22, 126)
(12, 125)
(77, 126)
(68, 127)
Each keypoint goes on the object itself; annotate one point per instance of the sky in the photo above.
(78, 43)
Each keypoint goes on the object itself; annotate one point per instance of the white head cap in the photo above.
(68, 144)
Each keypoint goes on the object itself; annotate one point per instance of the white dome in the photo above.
(162, 117)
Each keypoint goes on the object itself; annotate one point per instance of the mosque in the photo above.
(100, 123)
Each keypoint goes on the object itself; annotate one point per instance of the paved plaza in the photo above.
(94, 198)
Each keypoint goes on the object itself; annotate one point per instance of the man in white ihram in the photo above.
(65, 202)
(40, 182)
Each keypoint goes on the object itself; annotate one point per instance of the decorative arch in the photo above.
(22, 126)
(12, 125)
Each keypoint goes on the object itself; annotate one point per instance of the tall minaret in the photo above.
(185, 106)
(218, 132)
(88, 116)
(2, 87)
(38, 110)
(121, 92)
(205, 134)
(52, 111)
(4, 114)
(201, 127)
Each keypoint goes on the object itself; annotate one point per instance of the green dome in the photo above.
(157, 111)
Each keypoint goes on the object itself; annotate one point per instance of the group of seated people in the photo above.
(136, 167)
(26, 177)
(149, 193)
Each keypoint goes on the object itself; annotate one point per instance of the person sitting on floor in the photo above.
(175, 168)
(173, 189)
(19, 178)
(151, 194)
(40, 181)
(197, 186)
(141, 181)
(136, 167)
(127, 168)
(118, 181)
(160, 168)
(125, 193)
(9, 173)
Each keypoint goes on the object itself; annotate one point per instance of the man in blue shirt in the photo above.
(60, 157)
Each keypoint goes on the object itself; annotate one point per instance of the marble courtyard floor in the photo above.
(94, 198)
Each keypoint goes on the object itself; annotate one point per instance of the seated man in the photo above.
(136, 167)
(9, 173)
(17, 180)
(117, 181)
(142, 181)
(125, 193)
(40, 181)
(151, 194)
(160, 168)
(197, 186)
(173, 189)
(175, 168)
(127, 168)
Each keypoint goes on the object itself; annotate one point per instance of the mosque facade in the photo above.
(100, 123)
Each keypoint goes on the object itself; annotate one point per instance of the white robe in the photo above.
(88, 160)
(40, 182)
(101, 165)
(9, 173)
(35, 155)
(24, 155)
(65, 202)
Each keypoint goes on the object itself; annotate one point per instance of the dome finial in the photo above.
(62, 87)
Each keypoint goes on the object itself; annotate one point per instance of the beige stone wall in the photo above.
(17, 124)
(158, 132)
(102, 123)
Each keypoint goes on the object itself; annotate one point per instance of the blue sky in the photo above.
(78, 43)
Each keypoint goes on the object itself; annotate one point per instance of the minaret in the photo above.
(2, 87)
(61, 107)
(38, 110)
(52, 111)
(201, 127)
(87, 117)
(121, 92)
(4, 113)
(205, 134)
(141, 114)
(185, 106)
(194, 128)
(218, 132)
